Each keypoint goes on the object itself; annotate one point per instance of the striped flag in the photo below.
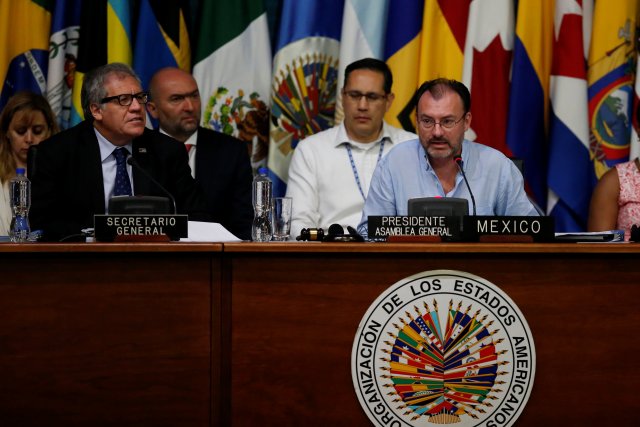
(402, 54)
(305, 78)
(570, 182)
(162, 38)
(24, 31)
(364, 25)
(442, 44)
(105, 37)
(63, 53)
(233, 71)
(529, 93)
(487, 58)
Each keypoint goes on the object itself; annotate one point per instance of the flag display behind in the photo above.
(554, 83)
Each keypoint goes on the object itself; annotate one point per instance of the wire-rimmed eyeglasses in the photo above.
(447, 123)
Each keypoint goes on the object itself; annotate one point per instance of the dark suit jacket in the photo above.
(67, 186)
(223, 171)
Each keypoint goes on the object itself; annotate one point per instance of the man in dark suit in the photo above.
(219, 162)
(76, 171)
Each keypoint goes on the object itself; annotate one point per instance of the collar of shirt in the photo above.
(342, 138)
(191, 140)
(426, 166)
(106, 148)
(109, 166)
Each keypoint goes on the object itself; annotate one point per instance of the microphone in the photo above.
(134, 163)
(460, 163)
(32, 156)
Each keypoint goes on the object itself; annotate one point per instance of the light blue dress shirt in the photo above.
(405, 173)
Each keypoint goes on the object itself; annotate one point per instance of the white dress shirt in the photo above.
(322, 181)
(109, 167)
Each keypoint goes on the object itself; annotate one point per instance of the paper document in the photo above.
(208, 232)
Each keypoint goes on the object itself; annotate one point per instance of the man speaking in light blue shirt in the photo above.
(426, 167)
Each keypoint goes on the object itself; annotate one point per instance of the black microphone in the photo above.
(134, 163)
(32, 156)
(460, 163)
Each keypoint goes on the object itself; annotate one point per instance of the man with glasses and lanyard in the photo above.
(430, 166)
(330, 171)
(77, 171)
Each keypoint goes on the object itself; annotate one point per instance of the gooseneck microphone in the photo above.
(134, 163)
(460, 163)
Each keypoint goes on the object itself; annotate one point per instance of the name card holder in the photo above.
(508, 229)
(415, 228)
(140, 228)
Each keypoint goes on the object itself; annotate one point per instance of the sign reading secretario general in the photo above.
(443, 347)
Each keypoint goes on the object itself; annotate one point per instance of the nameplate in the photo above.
(540, 228)
(446, 227)
(111, 227)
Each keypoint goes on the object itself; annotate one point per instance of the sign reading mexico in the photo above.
(443, 347)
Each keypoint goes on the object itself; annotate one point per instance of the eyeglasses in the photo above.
(356, 96)
(127, 98)
(447, 123)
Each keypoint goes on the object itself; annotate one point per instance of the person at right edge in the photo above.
(615, 203)
(426, 167)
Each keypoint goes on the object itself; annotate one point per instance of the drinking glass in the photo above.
(281, 216)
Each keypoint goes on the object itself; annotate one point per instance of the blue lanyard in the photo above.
(355, 170)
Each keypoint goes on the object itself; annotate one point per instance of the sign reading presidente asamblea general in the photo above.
(443, 347)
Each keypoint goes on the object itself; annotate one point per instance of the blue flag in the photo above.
(305, 77)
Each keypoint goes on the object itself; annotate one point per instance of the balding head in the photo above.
(175, 102)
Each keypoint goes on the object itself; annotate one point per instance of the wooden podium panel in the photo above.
(108, 334)
(295, 309)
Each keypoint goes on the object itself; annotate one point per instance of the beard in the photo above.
(439, 153)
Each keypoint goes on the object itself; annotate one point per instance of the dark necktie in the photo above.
(123, 185)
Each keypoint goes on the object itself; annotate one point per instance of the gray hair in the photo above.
(93, 84)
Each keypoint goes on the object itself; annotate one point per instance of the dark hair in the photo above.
(93, 84)
(438, 87)
(373, 65)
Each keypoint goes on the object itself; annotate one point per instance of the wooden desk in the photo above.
(109, 334)
(295, 308)
(246, 334)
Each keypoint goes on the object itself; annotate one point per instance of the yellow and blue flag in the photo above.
(24, 54)
(162, 38)
(529, 93)
(402, 54)
(105, 37)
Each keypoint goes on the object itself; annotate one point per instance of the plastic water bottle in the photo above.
(261, 230)
(20, 190)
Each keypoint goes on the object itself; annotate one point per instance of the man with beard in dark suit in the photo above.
(77, 171)
(219, 162)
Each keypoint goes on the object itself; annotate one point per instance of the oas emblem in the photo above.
(443, 347)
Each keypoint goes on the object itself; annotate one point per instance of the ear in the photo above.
(467, 121)
(96, 111)
(152, 109)
(389, 101)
